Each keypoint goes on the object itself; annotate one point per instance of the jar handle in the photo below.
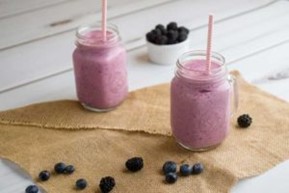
(234, 94)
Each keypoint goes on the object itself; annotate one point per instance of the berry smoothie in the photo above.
(200, 105)
(100, 70)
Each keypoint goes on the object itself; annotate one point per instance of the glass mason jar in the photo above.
(100, 68)
(201, 102)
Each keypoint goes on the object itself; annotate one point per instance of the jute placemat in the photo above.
(38, 136)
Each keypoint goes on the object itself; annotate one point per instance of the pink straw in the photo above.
(104, 19)
(209, 43)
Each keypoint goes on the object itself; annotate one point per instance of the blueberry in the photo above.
(182, 37)
(31, 189)
(169, 167)
(173, 35)
(185, 170)
(106, 184)
(59, 168)
(172, 26)
(183, 29)
(80, 184)
(69, 169)
(244, 121)
(134, 164)
(198, 168)
(44, 175)
(171, 177)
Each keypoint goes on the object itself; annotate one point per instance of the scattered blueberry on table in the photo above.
(171, 34)
(106, 184)
(32, 189)
(171, 177)
(59, 168)
(244, 121)
(69, 169)
(44, 175)
(186, 170)
(197, 168)
(169, 167)
(134, 164)
(80, 184)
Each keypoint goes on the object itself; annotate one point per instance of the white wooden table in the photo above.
(37, 39)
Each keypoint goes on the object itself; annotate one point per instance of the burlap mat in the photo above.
(38, 136)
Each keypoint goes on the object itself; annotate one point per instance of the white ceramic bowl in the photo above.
(167, 54)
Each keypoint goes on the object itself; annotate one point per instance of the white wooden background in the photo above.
(37, 39)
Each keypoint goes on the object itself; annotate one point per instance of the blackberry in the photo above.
(244, 121)
(106, 184)
(44, 175)
(185, 170)
(161, 28)
(171, 177)
(182, 36)
(169, 167)
(80, 184)
(172, 26)
(31, 189)
(183, 29)
(198, 168)
(69, 169)
(173, 35)
(158, 40)
(163, 40)
(157, 32)
(134, 164)
(59, 168)
(150, 37)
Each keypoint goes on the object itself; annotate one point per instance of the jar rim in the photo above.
(200, 75)
(97, 41)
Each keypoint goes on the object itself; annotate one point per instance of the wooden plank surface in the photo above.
(56, 50)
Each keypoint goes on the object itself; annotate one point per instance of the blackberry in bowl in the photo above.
(166, 43)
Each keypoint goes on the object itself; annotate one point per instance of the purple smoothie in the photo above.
(100, 70)
(200, 105)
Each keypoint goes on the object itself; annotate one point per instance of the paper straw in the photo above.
(209, 43)
(104, 19)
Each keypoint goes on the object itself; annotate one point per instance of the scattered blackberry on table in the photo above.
(134, 164)
(44, 175)
(80, 184)
(32, 189)
(106, 184)
(169, 167)
(171, 177)
(244, 121)
(185, 170)
(69, 169)
(197, 168)
(59, 168)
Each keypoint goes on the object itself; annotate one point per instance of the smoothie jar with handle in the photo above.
(201, 102)
(100, 68)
